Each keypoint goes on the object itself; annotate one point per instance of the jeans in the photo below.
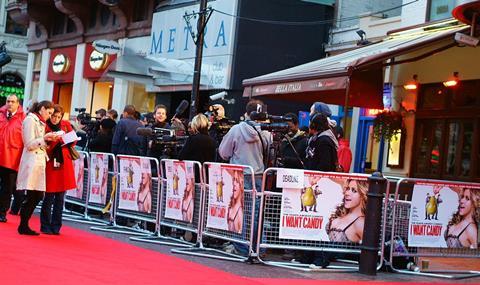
(51, 219)
(243, 248)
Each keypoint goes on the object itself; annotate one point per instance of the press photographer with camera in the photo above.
(153, 146)
(219, 123)
(293, 145)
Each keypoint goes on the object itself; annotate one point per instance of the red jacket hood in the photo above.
(19, 112)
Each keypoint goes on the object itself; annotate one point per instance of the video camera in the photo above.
(169, 141)
(277, 124)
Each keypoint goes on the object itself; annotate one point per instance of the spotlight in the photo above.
(453, 81)
(412, 85)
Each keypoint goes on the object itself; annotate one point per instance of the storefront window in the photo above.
(440, 9)
(429, 152)
(467, 94)
(433, 97)
(11, 27)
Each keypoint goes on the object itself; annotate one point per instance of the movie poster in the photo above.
(322, 207)
(98, 178)
(79, 168)
(180, 195)
(225, 198)
(444, 216)
(135, 184)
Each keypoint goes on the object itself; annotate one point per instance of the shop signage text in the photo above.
(106, 46)
(98, 61)
(60, 64)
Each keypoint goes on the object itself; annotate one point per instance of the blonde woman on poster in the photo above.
(346, 223)
(144, 200)
(462, 229)
(235, 207)
(187, 201)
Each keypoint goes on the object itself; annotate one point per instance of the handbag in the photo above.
(74, 154)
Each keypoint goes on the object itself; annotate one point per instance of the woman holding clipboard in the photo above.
(60, 174)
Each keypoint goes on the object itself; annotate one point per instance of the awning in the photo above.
(154, 71)
(358, 72)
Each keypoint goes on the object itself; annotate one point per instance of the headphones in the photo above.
(314, 125)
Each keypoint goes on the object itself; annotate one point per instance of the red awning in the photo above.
(358, 72)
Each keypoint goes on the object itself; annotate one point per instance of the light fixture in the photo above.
(363, 38)
(412, 84)
(453, 81)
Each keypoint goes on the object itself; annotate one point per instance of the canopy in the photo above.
(358, 73)
(153, 71)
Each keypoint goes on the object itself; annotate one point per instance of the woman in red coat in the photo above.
(60, 175)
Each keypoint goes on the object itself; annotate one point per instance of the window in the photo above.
(440, 9)
(140, 11)
(13, 28)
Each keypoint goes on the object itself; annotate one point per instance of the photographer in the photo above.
(321, 154)
(247, 144)
(102, 142)
(155, 148)
(293, 145)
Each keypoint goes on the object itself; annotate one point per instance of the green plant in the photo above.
(386, 125)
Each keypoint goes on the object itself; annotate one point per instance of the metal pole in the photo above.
(198, 60)
(377, 186)
(345, 113)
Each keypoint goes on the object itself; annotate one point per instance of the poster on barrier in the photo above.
(180, 190)
(98, 178)
(225, 198)
(444, 215)
(324, 208)
(135, 188)
(79, 168)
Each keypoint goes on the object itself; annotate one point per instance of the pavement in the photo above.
(268, 271)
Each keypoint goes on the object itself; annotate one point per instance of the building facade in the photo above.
(12, 75)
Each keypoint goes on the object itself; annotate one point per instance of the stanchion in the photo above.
(373, 220)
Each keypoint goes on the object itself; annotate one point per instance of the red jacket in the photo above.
(63, 178)
(11, 142)
(344, 154)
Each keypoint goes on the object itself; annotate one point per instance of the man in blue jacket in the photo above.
(125, 139)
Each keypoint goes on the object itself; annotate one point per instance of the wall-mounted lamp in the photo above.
(452, 82)
(412, 84)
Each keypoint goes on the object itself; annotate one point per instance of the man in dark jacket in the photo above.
(294, 144)
(103, 141)
(11, 147)
(125, 138)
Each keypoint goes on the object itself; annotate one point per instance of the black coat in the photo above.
(102, 142)
(321, 154)
(198, 147)
(289, 157)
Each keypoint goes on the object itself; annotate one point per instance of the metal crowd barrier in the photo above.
(398, 239)
(111, 171)
(269, 232)
(138, 216)
(71, 214)
(176, 224)
(245, 238)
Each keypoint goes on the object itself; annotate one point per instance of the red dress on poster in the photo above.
(344, 154)
(63, 178)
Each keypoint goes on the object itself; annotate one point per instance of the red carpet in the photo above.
(79, 257)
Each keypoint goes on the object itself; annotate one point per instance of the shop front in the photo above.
(61, 72)
(100, 88)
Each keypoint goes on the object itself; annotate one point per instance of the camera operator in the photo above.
(199, 145)
(154, 147)
(102, 142)
(246, 143)
(293, 145)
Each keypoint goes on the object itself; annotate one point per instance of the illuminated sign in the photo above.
(98, 61)
(61, 64)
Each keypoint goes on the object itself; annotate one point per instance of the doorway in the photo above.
(63, 97)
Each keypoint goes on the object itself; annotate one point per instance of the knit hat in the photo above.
(320, 107)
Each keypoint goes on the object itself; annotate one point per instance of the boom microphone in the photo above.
(144, 132)
(181, 109)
